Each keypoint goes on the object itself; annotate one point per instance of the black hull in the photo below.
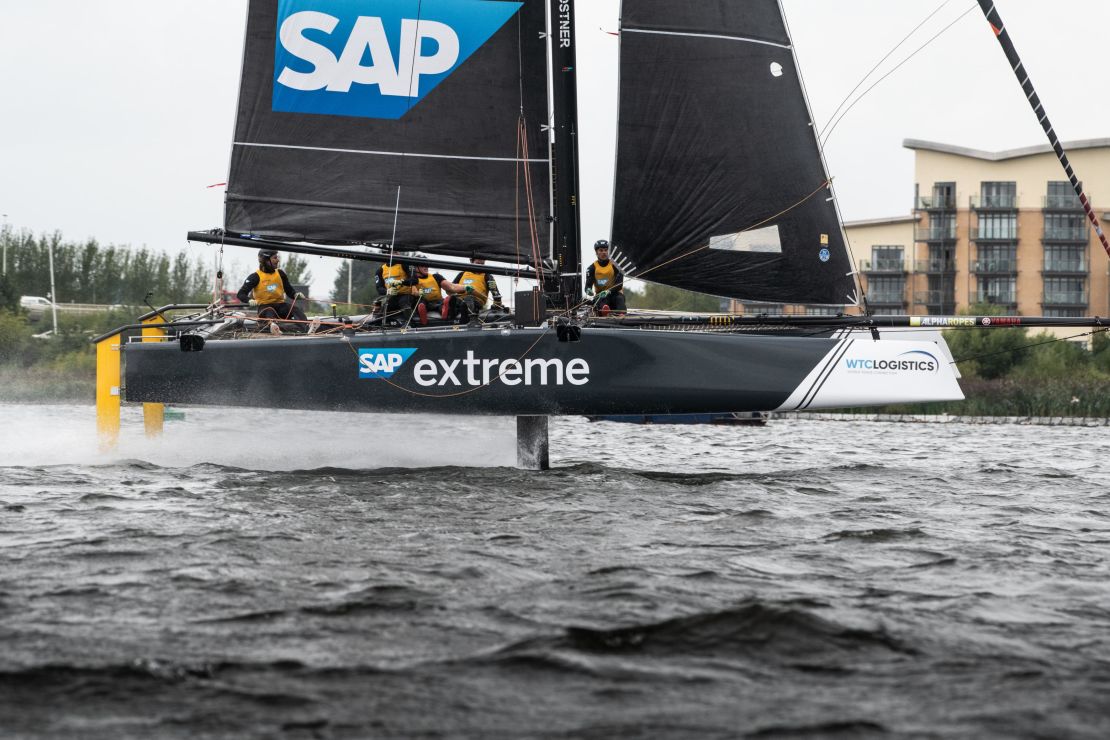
(609, 371)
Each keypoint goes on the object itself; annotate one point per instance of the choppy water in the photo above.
(807, 579)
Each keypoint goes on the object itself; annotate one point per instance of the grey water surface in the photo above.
(354, 576)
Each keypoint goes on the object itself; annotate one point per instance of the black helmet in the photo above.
(265, 254)
(601, 244)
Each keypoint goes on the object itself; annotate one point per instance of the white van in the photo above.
(36, 306)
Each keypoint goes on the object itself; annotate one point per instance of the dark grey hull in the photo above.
(491, 371)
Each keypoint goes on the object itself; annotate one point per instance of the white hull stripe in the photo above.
(386, 154)
(705, 36)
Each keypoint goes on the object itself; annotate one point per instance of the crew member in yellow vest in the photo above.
(269, 289)
(431, 290)
(394, 281)
(608, 281)
(479, 286)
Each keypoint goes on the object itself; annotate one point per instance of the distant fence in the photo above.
(1051, 421)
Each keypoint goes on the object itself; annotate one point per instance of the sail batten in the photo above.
(716, 153)
(389, 154)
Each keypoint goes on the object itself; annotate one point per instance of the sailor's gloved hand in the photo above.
(469, 289)
(392, 290)
(252, 302)
(589, 292)
(603, 294)
(300, 296)
(497, 307)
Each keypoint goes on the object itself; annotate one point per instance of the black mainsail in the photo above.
(417, 123)
(720, 183)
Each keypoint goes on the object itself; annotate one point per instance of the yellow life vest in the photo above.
(427, 289)
(605, 277)
(394, 274)
(476, 280)
(269, 289)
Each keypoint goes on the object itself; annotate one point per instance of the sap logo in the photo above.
(375, 58)
(382, 363)
(913, 361)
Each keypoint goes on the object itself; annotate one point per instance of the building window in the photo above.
(997, 226)
(887, 289)
(996, 258)
(1062, 195)
(998, 290)
(1069, 291)
(998, 194)
(823, 310)
(887, 258)
(1064, 312)
(1065, 258)
(1070, 227)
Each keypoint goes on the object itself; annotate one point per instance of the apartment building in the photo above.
(1003, 228)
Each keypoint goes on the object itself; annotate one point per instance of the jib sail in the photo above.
(720, 184)
(414, 122)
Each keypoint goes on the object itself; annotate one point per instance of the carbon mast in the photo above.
(564, 288)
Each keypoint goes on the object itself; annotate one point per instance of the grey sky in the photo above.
(118, 114)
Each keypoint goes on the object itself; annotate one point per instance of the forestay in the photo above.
(720, 184)
(358, 119)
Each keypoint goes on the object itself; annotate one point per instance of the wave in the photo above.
(788, 634)
(876, 535)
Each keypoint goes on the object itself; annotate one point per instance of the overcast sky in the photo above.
(117, 114)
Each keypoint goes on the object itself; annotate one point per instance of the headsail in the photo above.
(720, 184)
(414, 122)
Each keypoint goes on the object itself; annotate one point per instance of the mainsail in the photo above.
(720, 184)
(417, 123)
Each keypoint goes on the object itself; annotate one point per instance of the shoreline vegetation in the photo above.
(1006, 372)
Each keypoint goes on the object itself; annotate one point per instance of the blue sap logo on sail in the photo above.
(382, 363)
(374, 58)
(913, 361)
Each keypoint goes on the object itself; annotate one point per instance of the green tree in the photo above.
(986, 353)
(363, 291)
(666, 298)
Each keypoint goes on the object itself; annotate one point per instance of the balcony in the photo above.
(1073, 235)
(1005, 236)
(936, 203)
(1068, 202)
(937, 301)
(994, 202)
(936, 233)
(1065, 298)
(935, 266)
(1074, 266)
(995, 267)
(885, 298)
(1009, 300)
(886, 265)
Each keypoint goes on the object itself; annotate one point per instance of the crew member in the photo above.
(608, 279)
(269, 289)
(480, 287)
(394, 282)
(429, 291)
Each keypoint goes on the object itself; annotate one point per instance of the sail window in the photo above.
(757, 240)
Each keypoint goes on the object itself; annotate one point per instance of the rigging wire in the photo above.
(1024, 347)
(879, 63)
(896, 67)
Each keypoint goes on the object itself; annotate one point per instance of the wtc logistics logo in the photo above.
(375, 58)
(914, 361)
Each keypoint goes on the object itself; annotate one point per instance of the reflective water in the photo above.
(806, 579)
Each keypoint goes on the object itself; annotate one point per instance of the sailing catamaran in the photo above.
(448, 127)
